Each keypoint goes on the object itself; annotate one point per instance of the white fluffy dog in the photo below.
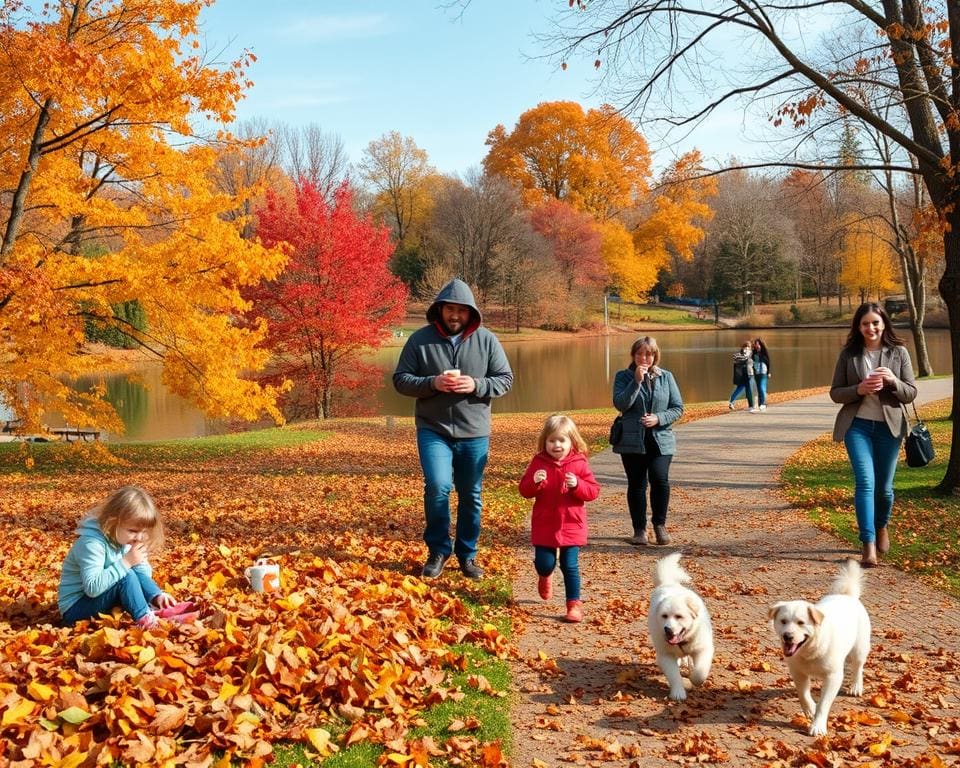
(820, 641)
(679, 625)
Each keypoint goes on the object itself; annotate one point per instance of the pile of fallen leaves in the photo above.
(353, 648)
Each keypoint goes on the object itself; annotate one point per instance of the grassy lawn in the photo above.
(925, 527)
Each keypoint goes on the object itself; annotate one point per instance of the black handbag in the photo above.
(919, 444)
(616, 431)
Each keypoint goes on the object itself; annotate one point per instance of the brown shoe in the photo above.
(883, 540)
(660, 531)
(639, 538)
(868, 558)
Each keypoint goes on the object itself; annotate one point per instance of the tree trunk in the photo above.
(950, 291)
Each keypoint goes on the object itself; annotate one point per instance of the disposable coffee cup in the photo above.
(452, 372)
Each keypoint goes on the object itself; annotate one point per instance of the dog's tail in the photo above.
(668, 571)
(849, 581)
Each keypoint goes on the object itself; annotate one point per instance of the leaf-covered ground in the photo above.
(354, 648)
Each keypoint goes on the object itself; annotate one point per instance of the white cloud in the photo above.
(327, 28)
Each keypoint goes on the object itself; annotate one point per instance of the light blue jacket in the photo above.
(633, 401)
(92, 566)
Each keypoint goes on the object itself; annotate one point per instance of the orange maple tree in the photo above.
(102, 108)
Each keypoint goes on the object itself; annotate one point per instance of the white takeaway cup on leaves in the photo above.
(263, 575)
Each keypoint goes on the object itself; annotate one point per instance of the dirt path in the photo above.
(591, 694)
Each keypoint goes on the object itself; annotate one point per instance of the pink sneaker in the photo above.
(574, 611)
(149, 620)
(545, 587)
(175, 610)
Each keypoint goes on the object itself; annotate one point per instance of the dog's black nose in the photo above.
(668, 632)
(788, 638)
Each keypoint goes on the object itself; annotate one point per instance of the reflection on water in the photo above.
(550, 376)
(147, 409)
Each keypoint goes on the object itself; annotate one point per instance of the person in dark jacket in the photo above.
(649, 399)
(454, 368)
(743, 375)
(873, 379)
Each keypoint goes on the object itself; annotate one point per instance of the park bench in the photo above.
(75, 433)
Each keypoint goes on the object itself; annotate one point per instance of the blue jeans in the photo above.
(873, 453)
(741, 388)
(133, 593)
(450, 463)
(761, 380)
(545, 560)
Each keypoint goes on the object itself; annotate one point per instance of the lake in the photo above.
(567, 374)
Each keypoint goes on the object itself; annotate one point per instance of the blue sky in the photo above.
(362, 68)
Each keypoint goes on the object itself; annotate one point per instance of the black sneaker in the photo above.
(470, 569)
(434, 565)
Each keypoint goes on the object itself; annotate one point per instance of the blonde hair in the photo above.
(130, 505)
(559, 423)
(650, 343)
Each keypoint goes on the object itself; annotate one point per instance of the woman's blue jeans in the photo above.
(761, 380)
(744, 388)
(449, 463)
(133, 593)
(545, 560)
(873, 452)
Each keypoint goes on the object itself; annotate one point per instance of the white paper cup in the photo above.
(452, 372)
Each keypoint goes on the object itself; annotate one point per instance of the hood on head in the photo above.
(89, 526)
(455, 292)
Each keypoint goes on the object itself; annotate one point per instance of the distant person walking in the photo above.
(454, 367)
(761, 371)
(872, 379)
(559, 479)
(649, 399)
(743, 375)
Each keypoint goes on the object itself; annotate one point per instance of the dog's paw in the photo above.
(856, 689)
(818, 728)
(678, 694)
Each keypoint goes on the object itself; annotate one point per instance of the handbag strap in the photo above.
(906, 414)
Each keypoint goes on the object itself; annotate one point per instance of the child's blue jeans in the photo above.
(133, 593)
(545, 560)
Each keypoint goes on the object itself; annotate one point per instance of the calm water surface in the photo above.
(556, 375)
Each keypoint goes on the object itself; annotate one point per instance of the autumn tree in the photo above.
(399, 173)
(905, 48)
(598, 163)
(332, 303)
(806, 200)
(867, 260)
(574, 240)
(102, 107)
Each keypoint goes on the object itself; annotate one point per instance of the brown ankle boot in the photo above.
(660, 531)
(883, 540)
(868, 558)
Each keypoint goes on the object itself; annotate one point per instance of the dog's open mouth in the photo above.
(677, 637)
(790, 648)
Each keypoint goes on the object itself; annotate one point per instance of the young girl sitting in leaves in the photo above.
(560, 480)
(107, 565)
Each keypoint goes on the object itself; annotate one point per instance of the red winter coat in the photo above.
(559, 517)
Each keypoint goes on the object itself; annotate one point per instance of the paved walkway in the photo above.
(591, 694)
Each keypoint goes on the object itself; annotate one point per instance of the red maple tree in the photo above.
(332, 303)
(575, 240)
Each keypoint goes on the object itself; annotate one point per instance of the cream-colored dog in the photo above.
(679, 625)
(821, 641)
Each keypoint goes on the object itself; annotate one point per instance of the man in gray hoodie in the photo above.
(454, 367)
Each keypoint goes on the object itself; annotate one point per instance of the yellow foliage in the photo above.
(114, 201)
(868, 262)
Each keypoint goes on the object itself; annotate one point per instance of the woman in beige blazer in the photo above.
(873, 378)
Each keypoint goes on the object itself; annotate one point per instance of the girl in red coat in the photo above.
(560, 480)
